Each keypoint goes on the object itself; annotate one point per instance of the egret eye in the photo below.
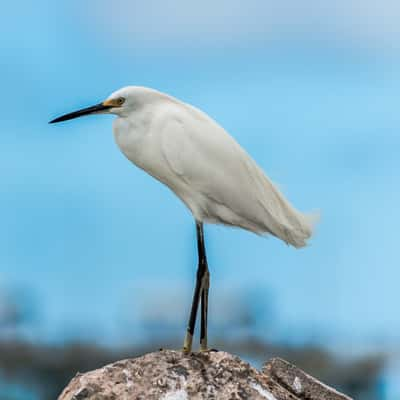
(120, 101)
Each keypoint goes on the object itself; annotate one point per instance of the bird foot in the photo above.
(187, 344)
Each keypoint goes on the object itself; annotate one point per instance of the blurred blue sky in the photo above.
(311, 92)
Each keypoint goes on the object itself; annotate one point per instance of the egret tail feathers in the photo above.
(303, 230)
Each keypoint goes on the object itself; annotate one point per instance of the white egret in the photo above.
(206, 168)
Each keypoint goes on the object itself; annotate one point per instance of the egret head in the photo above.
(119, 103)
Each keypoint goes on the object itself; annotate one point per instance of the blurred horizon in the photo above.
(309, 89)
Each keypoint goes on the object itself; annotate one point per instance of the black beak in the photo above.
(80, 113)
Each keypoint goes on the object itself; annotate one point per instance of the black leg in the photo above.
(202, 270)
(205, 285)
(204, 310)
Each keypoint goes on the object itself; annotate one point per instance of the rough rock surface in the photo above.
(172, 375)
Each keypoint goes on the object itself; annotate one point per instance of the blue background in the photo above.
(310, 91)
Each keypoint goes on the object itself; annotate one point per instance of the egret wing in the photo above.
(215, 170)
(226, 183)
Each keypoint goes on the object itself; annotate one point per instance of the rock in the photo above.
(172, 375)
(298, 382)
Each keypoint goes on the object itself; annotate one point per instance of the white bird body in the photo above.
(204, 166)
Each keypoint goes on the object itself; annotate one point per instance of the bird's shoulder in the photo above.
(195, 146)
(187, 125)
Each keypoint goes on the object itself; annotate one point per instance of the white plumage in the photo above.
(206, 168)
(203, 165)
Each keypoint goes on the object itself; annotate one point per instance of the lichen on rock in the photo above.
(173, 375)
